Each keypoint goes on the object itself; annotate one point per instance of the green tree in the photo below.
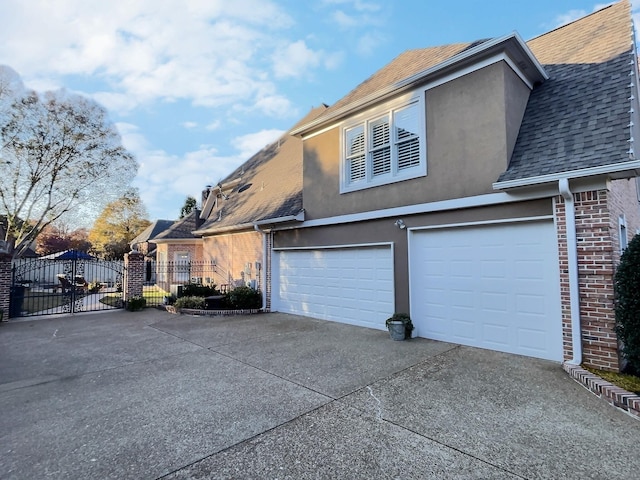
(627, 292)
(59, 156)
(119, 223)
(188, 207)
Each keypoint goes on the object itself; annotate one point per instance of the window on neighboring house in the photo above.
(622, 223)
(384, 149)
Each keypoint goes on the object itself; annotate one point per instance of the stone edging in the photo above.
(210, 313)
(612, 394)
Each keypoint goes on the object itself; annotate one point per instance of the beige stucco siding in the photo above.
(385, 231)
(235, 255)
(469, 140)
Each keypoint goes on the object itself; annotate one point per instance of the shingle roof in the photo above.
(578, 118)
(150, 233)
(403, 66)
(181, 229)
(271, 185)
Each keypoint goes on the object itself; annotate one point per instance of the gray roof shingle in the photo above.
(578, 118)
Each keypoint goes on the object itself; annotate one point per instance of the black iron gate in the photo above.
(70, 282)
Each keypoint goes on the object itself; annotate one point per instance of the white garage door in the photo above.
(348, 285)
(490, 286)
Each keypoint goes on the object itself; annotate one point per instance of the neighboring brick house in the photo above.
(177, 249)
(144, 243)
(486, 188)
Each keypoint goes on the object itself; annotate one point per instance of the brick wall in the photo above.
(598, 250)
(5, 284)
(133, 275)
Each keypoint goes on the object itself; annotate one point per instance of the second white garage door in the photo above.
(348, 285)
(490, 286)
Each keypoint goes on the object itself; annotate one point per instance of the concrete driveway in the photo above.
(153, 395)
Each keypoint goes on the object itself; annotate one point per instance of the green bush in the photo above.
(136, 303)
(198, 290)
(190, 302)
(627, 291)
(243, 298)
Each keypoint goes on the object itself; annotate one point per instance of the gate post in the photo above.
(133, 275)
(5, 284)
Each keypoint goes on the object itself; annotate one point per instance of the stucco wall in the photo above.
(235, 256)
(470, 135)
(385, 231)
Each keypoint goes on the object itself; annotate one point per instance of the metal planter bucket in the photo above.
(397, 330)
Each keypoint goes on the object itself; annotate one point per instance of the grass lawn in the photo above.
(42, 301)
(113, 300)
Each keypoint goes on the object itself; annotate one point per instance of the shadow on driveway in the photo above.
(149, 394)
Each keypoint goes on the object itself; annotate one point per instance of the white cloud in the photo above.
(252, 143)
(368, 43)
(165, 180)
(295, 59)
(213, 125)
(207, 52)
(189, 125)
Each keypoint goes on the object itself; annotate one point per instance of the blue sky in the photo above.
(197, 86)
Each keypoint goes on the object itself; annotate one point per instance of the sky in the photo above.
(196, 87)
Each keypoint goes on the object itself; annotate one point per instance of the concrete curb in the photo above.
(612, 394)
(209, 313)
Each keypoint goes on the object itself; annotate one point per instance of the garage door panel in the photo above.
(350, 285)
(490, 286)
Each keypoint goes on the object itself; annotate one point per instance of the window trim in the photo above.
(365, 120)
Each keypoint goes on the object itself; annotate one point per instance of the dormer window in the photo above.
(385, 148)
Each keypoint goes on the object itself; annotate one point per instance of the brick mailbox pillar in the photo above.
(134, 269)
(5, 284)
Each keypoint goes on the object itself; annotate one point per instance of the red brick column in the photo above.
(5, 284)
(596, 259)
(133, 275)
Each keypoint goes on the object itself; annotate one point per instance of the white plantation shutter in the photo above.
(380, 147)
(384, 149)
(355, 154)
(406, 128)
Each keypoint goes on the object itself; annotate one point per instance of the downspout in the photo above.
(572, 257)
(263, 273)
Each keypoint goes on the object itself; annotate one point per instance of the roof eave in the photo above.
(299, 217)
(512, 43)
(615, 171)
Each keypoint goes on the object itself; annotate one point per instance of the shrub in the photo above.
(198, 290)
(243, 298)
(627, 291)
(190, 301)
(94, 287)
(136, 303)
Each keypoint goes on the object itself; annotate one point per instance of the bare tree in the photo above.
(60, 155)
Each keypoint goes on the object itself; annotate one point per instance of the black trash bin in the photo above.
(15, 302)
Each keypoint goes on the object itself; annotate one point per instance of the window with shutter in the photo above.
(385, 149)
